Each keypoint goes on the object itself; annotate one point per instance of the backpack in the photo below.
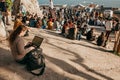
(36, 62)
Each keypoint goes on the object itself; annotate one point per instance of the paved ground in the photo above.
(65, 60)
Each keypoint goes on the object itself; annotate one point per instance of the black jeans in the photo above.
(107, 34)
(24, 60)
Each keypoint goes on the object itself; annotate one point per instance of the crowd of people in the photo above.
(72, 23)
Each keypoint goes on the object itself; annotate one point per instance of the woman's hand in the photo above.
(29, 44)
(32, 47)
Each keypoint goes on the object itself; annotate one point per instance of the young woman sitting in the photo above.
(17, 44)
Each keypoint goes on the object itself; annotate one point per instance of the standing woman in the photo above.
(17, 45)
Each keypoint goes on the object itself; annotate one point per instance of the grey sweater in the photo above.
(17, 49)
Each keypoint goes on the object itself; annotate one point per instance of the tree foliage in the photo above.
(9, 4)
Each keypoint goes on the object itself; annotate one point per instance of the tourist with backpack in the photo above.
(24, 54)
(17, 44)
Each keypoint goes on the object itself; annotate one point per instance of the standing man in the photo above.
(22, 9)
(51, 4)
(5, 8)
(9, 4)
(108, 27)
(52, 10)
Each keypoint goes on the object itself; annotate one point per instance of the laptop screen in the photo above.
(37, 41)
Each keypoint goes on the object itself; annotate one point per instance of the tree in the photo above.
(9, 4)
(118, 47)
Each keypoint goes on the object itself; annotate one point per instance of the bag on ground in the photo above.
(36, 62)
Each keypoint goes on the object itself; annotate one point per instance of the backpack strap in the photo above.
(40, 72)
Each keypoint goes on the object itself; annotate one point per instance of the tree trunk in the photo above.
(117, 44)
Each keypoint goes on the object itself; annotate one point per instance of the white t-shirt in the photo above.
(51, 4)
(109, 25)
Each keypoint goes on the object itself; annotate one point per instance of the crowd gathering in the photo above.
(71, 22)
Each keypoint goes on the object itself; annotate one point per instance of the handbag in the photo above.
(36, 62)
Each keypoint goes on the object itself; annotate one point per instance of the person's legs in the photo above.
(7, 20)
(3, 18)
(43, 27)
(79, 36)
(106, 36)
(93, 38)
(25, 59)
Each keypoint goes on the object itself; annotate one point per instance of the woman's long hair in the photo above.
(16, 33)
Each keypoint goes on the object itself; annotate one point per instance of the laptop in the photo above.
(37, 41)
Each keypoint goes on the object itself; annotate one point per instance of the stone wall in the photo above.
(32, 6)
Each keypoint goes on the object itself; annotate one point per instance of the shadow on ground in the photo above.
(95, 47)
(79, 60)
(11, 66)
(7, 62)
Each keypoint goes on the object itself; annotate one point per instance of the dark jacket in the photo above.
(100, 40)
(3, 6)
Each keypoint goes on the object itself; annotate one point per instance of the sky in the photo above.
(110, 3)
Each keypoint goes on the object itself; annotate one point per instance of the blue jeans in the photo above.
(43, 27)
(78, 36)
